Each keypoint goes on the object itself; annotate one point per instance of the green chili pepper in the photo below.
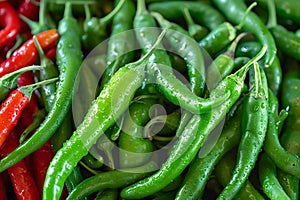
(283, 159)
(222, 65)
(218, 38)
(92, 162)
(111, 179)
(223, 173)
(273, 72)
(195, 62)
(63, 133)
(203, 14)
(146, 33)
(221, 36)
(95, 28)
(192, 138)
(240, 61)
(118, 47)
(108, 106)
(254, 128)
(234, 11)
(291, 142)
(74, 179)
(268, 179)
(201, 168)
(69, 58)
(287, 9)
(290, 99)
(286, 41)
(195, 30)
(167, 82)
(49, 70)
(139, 150)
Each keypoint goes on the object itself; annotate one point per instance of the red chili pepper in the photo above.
(27, 54)
(10, 20)
(51, 53)
(10, 112)
(21, 178)
(29, 10)
(32, 107)
(40, 162)
(3, 195)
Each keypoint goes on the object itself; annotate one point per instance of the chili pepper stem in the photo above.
(40, 50)
(258, 80)
(9, 80)
(243, 71)
(272, 19)
(28, 89)
(241, 24)
(231, 50)
(141, 7)
(149, 53)
(105, 20)
(87, 12)
(68, 10)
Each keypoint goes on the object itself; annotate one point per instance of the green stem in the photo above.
(258, 81)
(272, 19)
(28, 89)
(187, 16)
(39, 48)
(141, 8)
(245, 68)
(241, 24)
(42, 13)
(157, 42)
(68, 10)
(9, 80)
(231, 50)
(87, 12)
(108, 18)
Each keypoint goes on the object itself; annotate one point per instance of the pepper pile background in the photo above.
(49, 150)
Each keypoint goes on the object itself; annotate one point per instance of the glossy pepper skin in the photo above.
(201, 168)
(223, 173)
(20, 175)
(10, 113)
(117, 50)
(254, 128)
(69, 59)
(192, 138)
(234, 11)
(203, 14)
(139, 152)
(268, 176)
(112, 101)
(30, 10)
(9, 19)
(112, 179)
(27, 54)
(273, 72)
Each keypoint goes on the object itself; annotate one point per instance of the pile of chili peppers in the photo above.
(146, 99)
